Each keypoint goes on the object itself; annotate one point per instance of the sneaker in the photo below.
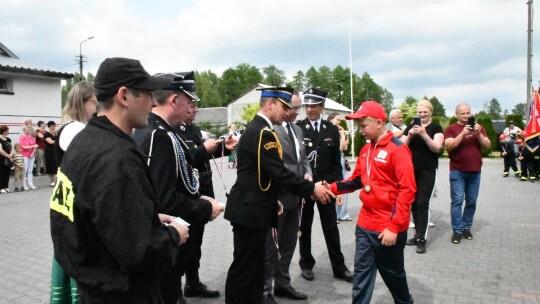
(26, 188)
(456, 238)
(16, 189)
(467, 234)
(33, 187)
(421, 246)
(412, 242)
(53, 184)
(411, 225)
(431, 224)
(505, 174)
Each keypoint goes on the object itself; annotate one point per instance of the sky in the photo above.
(457, 50)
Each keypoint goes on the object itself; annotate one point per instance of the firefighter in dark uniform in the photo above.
(252, 207)
(201, 151)
(170, 165)
(321, 139)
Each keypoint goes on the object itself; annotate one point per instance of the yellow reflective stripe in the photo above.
(63, 197)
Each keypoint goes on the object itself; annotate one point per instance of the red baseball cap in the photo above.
(369, 108)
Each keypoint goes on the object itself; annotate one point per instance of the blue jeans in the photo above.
(463, 186)
(370, 256)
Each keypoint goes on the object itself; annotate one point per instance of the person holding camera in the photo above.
(425, 139)
(464, 141)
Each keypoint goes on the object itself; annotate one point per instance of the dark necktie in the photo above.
(315, 132)
(291, 137)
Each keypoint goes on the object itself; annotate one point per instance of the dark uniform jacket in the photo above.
(192, 136)
(260, 174)
(323, 150)
(165, 164)
(104, 223)
(291, 162)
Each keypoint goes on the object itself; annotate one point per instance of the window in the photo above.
(5, 86)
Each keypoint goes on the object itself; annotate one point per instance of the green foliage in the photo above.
(487, 124)
(438, 108)
(520, 109)
(452, 120)
(207, 89)
(359, 142)
(408, 108)
(298, 82)
(249, 112)
(236, 81)
(517, 119)
(274, 76)
(493, 108)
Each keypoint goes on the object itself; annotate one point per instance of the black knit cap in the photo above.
(117, 72)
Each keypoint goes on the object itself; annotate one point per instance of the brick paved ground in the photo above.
(501, 264)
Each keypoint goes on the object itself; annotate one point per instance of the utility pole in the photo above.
(81, 57)
(529, 59)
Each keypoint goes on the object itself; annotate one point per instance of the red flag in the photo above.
(533, 126)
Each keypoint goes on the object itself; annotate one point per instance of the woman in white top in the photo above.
(80, 106)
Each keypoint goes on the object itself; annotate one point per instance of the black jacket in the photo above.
(104, 223)
(260, 174)
(174, 197)
(323, 150)
(192, 136)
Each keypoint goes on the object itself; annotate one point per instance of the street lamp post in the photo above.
(81, 57)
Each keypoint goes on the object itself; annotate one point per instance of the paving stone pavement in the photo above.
(501, 264)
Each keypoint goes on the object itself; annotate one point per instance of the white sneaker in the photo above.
(33, 187)
(26, 188)
(53, 184)
(411, 225)
(431, 224)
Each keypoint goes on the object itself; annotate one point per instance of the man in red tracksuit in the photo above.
(385, 173)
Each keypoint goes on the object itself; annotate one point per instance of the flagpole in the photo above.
(529, 58)
(351, 80)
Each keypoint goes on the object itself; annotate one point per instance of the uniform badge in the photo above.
(195, 146)
(182, 127)
(310, 144)
(324, 127)
(270, 145)
(307, 126)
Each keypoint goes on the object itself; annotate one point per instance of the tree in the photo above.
(235, 81)
(274, 76)
(438, 108)
(493, 108)
(249, 112)
(408, 108)
(387, 100)
(206, 88)
(298, 82)
(520, 109)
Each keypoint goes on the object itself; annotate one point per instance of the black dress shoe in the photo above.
(200, 291)
(270, 299)
(344, 275)
(308, 274)
(289, 292)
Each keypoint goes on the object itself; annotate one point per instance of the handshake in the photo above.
(322, 192)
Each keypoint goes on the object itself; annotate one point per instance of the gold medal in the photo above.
(367, 188)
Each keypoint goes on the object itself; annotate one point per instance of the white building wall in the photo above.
(34, 97)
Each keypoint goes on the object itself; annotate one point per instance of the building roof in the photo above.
(212, 115)
(10, 63)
